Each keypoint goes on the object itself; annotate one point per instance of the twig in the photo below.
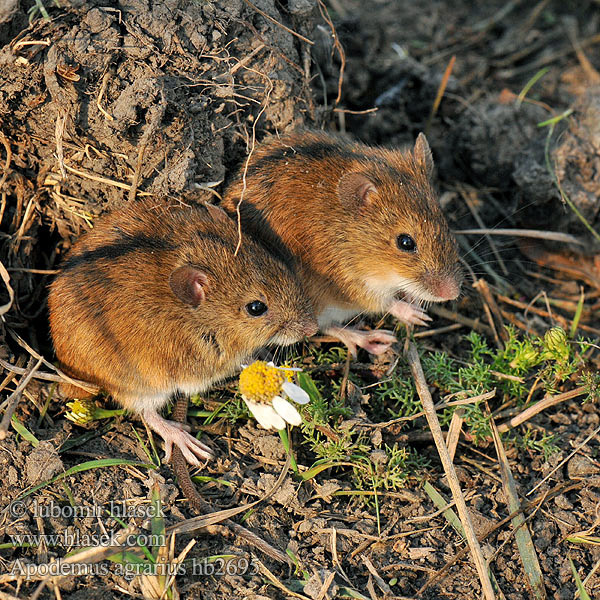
(440, 311)
(466, 193)
(562, 462)
(591, 73)
(8, 159)
(246, 59)
(512, 319)
(525, 546)
(43, 375)
(547, 496)
(34, 271)
(103, 86)
(495, 316)
(24, 43)
(325, 587)
(59, 131)
(247, 162)
(554, 236)
(100, 179)
(440, 93)
(436, 431)
(156, 114)
(538, 407)
(497, 17)
(385, 588)
(276, 22)
(86, 386)
(14, 398)
(11, 375)
(454, 431)
(536, 311)
(288, 593)
(347, 111)
(11, 293)
(23, 227)
(438, 330)
(337, 45)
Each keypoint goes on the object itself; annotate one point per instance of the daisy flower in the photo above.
(265, 389)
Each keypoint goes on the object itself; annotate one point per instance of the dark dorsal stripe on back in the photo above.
(311, 151)
(117, 249)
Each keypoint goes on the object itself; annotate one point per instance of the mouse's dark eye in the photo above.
(256, 308)
(406, 243)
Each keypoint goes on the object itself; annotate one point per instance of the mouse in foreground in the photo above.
(154, 301)
(362, 225)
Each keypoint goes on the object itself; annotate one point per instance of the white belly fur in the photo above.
(335, 314)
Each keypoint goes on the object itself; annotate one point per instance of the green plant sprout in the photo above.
(39, 7)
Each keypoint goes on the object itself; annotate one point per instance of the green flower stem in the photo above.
(104, 413)
(285, 440)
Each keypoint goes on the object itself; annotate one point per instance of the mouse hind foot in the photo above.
(376, 341)
(174, 433)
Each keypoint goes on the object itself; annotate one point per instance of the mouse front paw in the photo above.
(410, 314)
(376, 341)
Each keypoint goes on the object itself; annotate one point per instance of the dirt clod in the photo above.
(43, 463)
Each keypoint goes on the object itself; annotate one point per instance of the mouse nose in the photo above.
(303, 327)
(445, 287)
(448, 288)
(311, 328)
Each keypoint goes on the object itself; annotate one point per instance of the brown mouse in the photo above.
(362, 224)
(153, 300)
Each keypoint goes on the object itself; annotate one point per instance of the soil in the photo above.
(110, 100)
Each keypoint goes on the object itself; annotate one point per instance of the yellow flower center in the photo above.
(261, 382)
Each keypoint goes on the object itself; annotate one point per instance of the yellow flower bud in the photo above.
(556, 343)
(81, 411)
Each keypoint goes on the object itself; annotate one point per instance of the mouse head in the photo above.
(405, 242)
(240, 302)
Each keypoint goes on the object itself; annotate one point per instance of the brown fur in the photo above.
(303, 199)
(116, 322)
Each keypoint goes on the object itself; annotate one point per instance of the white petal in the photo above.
(265, 415)
(287, 411)
(272, 364)
(295, 393)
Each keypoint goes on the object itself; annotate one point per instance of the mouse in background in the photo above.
(361, 225)
(153, 301)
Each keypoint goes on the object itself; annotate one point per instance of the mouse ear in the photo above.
(422, 154)
(189, 285)
(216, 212)
(354, 189)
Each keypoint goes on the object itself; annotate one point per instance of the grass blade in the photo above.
(86, 466)
(525, 545)
(582, 593)
(577, 316)
(441, 503)
(24, 432)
